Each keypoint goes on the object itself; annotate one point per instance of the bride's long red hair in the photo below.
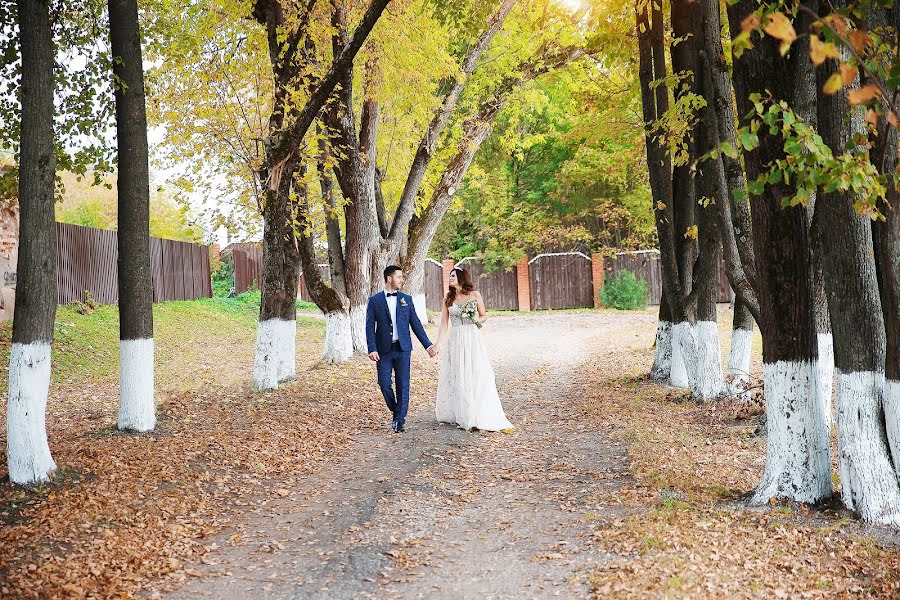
(464, 280)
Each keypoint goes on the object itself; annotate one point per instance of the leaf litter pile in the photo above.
(126, 509)
(691, 532)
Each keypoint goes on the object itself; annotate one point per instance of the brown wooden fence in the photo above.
(434, 285)
(645, 265)
(498, 288)
(88, 257)
(561, 281)
(247, 259)
(247, 266)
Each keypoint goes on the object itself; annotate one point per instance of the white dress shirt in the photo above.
(392, 308)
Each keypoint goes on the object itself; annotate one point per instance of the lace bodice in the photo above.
(456, 316)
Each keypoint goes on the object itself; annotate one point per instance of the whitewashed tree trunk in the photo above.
(421, 308)
(358, 329)
(868, 480)
(798, 466)
(891, 401)
(662, 361)
(826, 376)
(710, 380)
(27, 450)
(137, 410)
(338, 338)
(685, 358)
(739, 362)
(275, 354)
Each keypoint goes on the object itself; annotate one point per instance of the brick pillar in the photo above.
(216, 250)
(446, 266)
(597, 277)
(523, 282)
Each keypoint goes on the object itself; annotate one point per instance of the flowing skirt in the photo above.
(467, 389)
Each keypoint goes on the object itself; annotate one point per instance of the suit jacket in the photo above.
(380, 328)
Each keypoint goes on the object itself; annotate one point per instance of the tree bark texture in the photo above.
(797, 454)
(27, 451)
(137, 410)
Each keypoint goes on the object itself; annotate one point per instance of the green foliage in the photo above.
(624, 292)
(808, 163)
(564, 168)
(89, 205)
(222, 278)
(85, 110)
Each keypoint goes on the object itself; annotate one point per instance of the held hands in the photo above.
(433, 351)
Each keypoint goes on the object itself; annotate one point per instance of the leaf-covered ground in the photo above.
(610, 486)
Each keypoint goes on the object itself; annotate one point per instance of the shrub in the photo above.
(624, 292)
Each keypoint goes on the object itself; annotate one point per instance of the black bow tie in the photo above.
(389, 294)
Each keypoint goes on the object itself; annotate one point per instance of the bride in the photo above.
(467, 391)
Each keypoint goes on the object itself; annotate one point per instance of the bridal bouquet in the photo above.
(469, 311)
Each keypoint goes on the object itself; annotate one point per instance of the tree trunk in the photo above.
(662, 361)
(797, 454)
(741, 350)
(822, 318)
(332, 222)
(869, 482)
(137, 411)
(685, 349)
(27, 451)
(655, 103)
(805, 105)
(276, 337)
(335, 306)
(728, 174)
(886, 240)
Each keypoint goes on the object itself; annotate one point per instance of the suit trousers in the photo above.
(397, 362)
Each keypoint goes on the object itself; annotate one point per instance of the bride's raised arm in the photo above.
(445, 323)
(482, 311)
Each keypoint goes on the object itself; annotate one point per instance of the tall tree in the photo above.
(797, 454)
(27, 452)
(137, 411)
(288, 124)
(869, 482)
(548, 57)
(731, 205)
(372, 240)
(886, 240)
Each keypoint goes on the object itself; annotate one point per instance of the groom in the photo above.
(389, 315)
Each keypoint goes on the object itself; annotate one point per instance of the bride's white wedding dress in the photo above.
(467, 390)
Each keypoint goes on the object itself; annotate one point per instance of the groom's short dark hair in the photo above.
(390, 270)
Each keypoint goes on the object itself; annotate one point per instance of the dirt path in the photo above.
(440, 513)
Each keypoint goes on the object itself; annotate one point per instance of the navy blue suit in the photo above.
(394, 356)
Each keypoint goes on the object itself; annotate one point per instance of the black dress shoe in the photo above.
(394, 426)
(400, 428)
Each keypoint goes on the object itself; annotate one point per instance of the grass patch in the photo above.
(86, 342)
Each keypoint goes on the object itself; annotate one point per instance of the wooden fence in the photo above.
(498, 288)
(561, 281)
(554, 281)
(247, 259)
(434, 285)
(645, 265)
(88, 263)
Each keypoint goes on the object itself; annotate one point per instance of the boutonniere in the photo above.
(403, 302)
